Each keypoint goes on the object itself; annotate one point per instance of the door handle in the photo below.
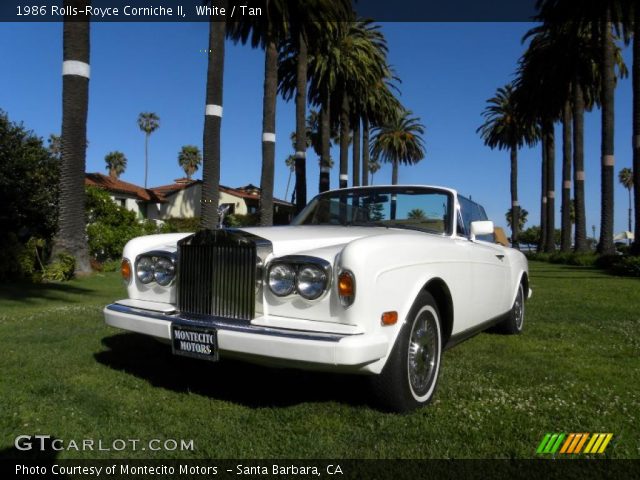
(500, 257)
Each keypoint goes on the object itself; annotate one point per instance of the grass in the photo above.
(575, 369)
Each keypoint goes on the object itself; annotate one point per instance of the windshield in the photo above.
(394, 207)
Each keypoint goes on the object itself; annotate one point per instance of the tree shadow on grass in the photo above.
(29, 292)
(230, 380)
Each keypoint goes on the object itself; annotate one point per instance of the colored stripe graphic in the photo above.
(572, 443)
(550, 443)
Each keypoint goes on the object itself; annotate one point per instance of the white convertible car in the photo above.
(370, 280)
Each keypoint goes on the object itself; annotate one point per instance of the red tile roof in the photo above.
(116, 185)
(159, 194)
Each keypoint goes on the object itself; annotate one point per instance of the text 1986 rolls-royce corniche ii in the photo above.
(373, 280)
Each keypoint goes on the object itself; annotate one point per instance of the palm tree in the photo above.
(307, 23)
(70, 238)
(522, 219)
(601, 17)
(148, 122)
(290, 162)
(116, 163)
(506, 127)
(210, 194)
(399, 142)
(417, 214)
(625, 177)
(189, 159)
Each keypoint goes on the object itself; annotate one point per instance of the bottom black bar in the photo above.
(309, 468)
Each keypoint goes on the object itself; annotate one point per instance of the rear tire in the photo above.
(410, 376)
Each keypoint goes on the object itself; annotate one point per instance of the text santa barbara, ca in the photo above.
(126, 12)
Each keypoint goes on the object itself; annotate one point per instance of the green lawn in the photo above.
(575, 369)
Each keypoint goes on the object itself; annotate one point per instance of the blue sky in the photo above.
(447, 70)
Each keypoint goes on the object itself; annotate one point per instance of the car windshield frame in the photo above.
(448, 227)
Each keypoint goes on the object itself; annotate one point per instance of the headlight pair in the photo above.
(151, 266)
(309, 279)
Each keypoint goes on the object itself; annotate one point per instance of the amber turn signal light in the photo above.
(346, 288)
(125, 271)
(389, 318)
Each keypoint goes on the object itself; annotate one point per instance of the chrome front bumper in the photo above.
(242, 338)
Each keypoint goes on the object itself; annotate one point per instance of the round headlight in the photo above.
(311, 282)
(144, 269)
(281, 279)
(164, 271)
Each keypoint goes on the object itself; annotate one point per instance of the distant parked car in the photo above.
(369, 280)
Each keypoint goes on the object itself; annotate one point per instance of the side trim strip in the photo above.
(467, 334)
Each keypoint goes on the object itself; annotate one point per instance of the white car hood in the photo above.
(288, 240)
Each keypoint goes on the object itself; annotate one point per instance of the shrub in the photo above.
(110, 226)
(538, 256)
(573, 258)
(174, 225)
(237, 220)
(61, 269)
(627, 266)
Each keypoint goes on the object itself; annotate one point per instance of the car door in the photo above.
(489, 269)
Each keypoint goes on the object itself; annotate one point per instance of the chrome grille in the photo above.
(217, 275)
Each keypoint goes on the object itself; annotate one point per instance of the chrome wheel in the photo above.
(518, 309)
(423, 353)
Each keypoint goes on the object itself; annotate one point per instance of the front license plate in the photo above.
(194, 341)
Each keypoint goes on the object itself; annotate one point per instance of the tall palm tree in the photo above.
(625, 177)
(522, 218)
(399, 141)
(116, 163)
(307, 22)
(266, 31)
(565, 229)
(70, 238)
(210, 195)
(505, 127)
(148, 122)
(601, 16)
(190, 159)
(290, 162)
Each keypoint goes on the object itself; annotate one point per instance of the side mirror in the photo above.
(481, 228)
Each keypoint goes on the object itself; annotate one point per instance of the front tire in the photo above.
(514, 323)
(410, 376)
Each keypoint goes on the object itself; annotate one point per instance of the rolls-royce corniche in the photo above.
(373, 280)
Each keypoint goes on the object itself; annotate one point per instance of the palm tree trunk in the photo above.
(636, 128)
(71, 238)
(146, 157)
(301, 133)
(344, 141)
(565, 242)
(394, 173)
(356, 153)
(394, 181)
(606, 246)
(578, 169)
(543, 195)
(268, 131)
(550, 241)
(325, 134)
(365, 151)
(210, 195)
(515, 206)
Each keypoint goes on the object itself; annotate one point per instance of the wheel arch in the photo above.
(442, 295)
